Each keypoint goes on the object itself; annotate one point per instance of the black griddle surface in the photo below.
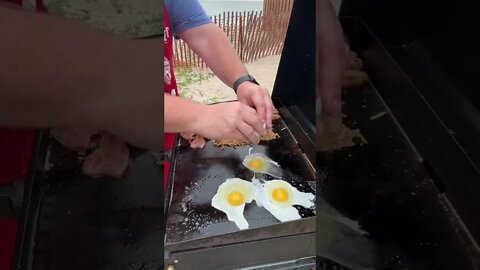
(198, 173)
(388, 188)
(93, 223)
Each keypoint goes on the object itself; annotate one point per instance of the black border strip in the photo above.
(23, 256)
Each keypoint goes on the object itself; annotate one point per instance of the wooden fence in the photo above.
(254, 34)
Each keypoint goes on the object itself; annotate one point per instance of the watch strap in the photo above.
(243, 79)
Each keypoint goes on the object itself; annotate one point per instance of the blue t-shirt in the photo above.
(185, 15)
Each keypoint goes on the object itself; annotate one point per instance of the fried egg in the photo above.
(231, 197)
(279, 197)
(260, 163)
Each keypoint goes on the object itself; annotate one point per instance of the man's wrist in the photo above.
(242, 80)
(244, 85)
(198, 113)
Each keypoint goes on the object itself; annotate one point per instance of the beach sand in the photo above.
(214, 90)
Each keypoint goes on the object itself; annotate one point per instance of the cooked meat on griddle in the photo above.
(76, 139)
(276, 115)
(353, 76)
(195, 140)
(111, 158)
(198, 141)
(354, 62)
(337, 135)
(271, 135)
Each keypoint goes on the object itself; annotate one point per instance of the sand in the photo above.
(128, 18)
(214, 90)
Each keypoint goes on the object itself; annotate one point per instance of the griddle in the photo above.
(200, 237)
(193, 226)
(72, 221)
(391, 185)
(198, 173)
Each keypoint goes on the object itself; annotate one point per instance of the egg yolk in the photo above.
(235, 198)
(280, 195)
(256, 164)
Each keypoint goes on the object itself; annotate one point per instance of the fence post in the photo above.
(240, 36)
(253, 34)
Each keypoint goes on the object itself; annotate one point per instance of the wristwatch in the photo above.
(243, 79)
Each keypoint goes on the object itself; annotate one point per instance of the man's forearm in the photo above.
(331, 57)
(50, 69)
(181, 114)
(212, 45)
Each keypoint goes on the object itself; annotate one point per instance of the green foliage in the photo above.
(187, 76)
(57, 7)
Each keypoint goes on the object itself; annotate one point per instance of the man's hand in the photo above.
(231, 120)
(212, 45)
(257, 97)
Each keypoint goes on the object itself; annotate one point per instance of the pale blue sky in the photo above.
(231, 0)
(215, 7)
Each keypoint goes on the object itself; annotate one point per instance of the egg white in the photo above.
(270, 186)
(234, 213)
(270, 167)
(285, 211)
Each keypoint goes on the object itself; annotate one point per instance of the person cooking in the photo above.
(236, 120)
(248, 119)
(56, 72)
(65, 73)
(244, 119)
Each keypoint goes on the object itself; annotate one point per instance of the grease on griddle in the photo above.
(191, 220)
(376, 116)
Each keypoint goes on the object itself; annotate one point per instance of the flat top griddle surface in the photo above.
(387, 187)
(199, 172)
(93, 223)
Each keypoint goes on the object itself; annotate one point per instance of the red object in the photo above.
(18, 2)
(40, 6)
(16, 152)
(8, 234)
(166, 170)
(170, 86)
(16, 146)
